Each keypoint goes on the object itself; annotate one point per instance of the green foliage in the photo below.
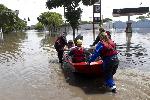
(39, 26)
(54, 3)
(20, 24)
(51, 20)
(9, 21)
(85, 22)
(107, 20)
(73, 16)
(144, 17)
(141, 17)
(59, 3)
(148, 15)
(89, 2)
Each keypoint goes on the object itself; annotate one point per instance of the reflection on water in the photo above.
(29, 69)
(10, 47)
(134, 50)
(128, 39)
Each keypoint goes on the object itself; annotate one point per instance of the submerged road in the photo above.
(29, 70)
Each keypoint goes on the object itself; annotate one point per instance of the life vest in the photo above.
(109, 49)
(78, 54)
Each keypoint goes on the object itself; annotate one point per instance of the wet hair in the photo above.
(70, 43)
(101, 29)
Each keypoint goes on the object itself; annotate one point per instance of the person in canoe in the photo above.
(77, 38)
(70, 44)
(59, 45)
(78, 53)
(98, 39)
(106, 49)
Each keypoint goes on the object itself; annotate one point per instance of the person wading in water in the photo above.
(106, 49)
(59, 45)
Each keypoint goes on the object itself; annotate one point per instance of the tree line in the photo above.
(9, 20)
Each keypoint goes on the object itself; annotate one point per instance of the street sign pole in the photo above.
(96, 9)
(100, 5)
(93, 26)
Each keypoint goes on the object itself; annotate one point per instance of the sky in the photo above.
(33, 8)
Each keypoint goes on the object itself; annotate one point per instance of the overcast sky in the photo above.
(33, 8)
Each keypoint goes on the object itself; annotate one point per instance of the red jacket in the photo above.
(109, 49)
(78, 54)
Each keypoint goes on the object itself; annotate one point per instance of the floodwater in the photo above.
(29, 69)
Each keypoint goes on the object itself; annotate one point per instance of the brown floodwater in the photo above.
(29, 69)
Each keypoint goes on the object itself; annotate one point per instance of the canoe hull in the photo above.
(95, 68)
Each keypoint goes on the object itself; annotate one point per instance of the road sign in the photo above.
(130, 11)
(97, 9)
(96, 19)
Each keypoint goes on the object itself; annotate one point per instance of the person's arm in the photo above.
(96, 41)
(64, 40)
(97, 52)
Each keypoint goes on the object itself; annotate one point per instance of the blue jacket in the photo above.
(97, 52)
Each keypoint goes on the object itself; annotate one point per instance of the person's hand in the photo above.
(65, 48)
(91, 45)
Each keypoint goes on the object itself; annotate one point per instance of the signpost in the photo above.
(96, 19)
(130, 12)
(96, 9)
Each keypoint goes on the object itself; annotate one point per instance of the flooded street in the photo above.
(29, 69)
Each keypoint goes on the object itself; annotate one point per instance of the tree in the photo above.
(85, 22)
(148, 14)
(144, 17)
(20, 24)
(9, 21)
(73, 14)
(107, 20)
(39, 26)
(141, 17)
(51, 20)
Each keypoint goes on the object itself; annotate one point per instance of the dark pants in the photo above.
(60, 55)
(110, 66)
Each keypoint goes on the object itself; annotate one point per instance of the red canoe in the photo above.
(95, 68)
